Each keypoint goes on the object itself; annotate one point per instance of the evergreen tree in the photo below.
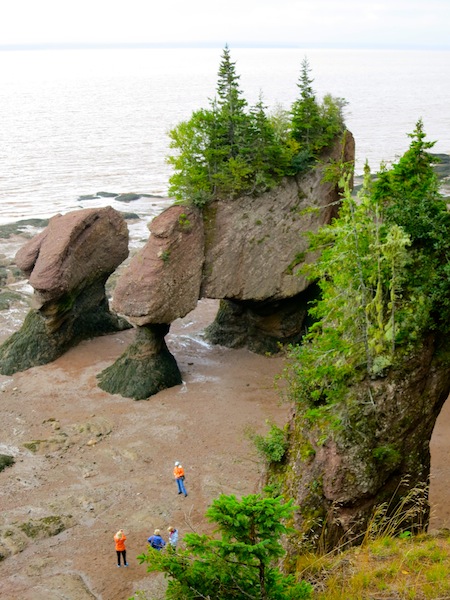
(231, 104)
(410, 191)
(314, 126)
(241, 562)
(229, 150)
(384, 279)
(267, 156)
(305, 111)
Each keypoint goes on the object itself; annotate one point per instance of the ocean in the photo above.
(76, 122)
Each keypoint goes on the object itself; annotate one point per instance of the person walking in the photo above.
(119, 539)
(178, 473)
(156, 541)
(173, 538)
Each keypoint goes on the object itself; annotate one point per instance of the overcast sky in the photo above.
(301, 23)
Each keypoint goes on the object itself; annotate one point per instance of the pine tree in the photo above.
(410, 191)
(314, 125)
(305, 111)
(267, 155)
(238, 564)
(384, 277)
(227, 151)
(231, 104)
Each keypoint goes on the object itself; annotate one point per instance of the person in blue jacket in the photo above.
(156, 540)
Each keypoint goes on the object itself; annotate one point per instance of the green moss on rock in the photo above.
(145, 368)
(47, 333)
(7, 298)
(6, 461)
(45, 527)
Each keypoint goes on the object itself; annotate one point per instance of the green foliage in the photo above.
(387, 456)
(273, 446)
(6, 461)
(230, 149)
(314, 125)
(165, 255)
(238, 564)
(410, 192)
(384, 279)
(183, 221)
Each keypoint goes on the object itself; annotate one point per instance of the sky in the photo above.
(408, 24)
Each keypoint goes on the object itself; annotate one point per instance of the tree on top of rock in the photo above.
(314, 125)
(228, 151)
(231, 104)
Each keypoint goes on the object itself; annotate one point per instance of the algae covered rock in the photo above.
(145, 368)
(6, 461)
(67, 264)
(17, 537)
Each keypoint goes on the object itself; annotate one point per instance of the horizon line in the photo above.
(200, 45)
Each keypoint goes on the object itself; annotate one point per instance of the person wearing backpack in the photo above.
(156, 541)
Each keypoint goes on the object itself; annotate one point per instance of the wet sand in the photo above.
(107, 461)
(103, 462)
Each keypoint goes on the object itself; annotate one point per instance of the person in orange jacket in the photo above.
(178, 473)
(119, 539)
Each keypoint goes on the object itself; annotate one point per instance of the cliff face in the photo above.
(377, 452)
(254, 249)
(255, 246)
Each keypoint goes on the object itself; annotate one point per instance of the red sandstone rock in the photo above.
(255, 246)
(74, 250)
(162, 282)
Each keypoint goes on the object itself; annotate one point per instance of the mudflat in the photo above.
(88, 463)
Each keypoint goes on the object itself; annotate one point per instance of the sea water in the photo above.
(76, 122)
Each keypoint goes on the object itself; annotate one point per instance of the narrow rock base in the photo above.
(144, 369)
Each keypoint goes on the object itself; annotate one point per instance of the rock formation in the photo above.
(246, 252)
(376, 452)
(254, 250)
(162, 281)
(161, 284)
(67, 264)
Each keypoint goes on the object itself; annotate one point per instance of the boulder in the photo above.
(162, 281)
(74, 250)
(67, 264)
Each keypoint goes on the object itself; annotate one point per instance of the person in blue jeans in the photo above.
(178, 473)
(156, 540)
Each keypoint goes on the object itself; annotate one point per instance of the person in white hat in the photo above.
(178, 473)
